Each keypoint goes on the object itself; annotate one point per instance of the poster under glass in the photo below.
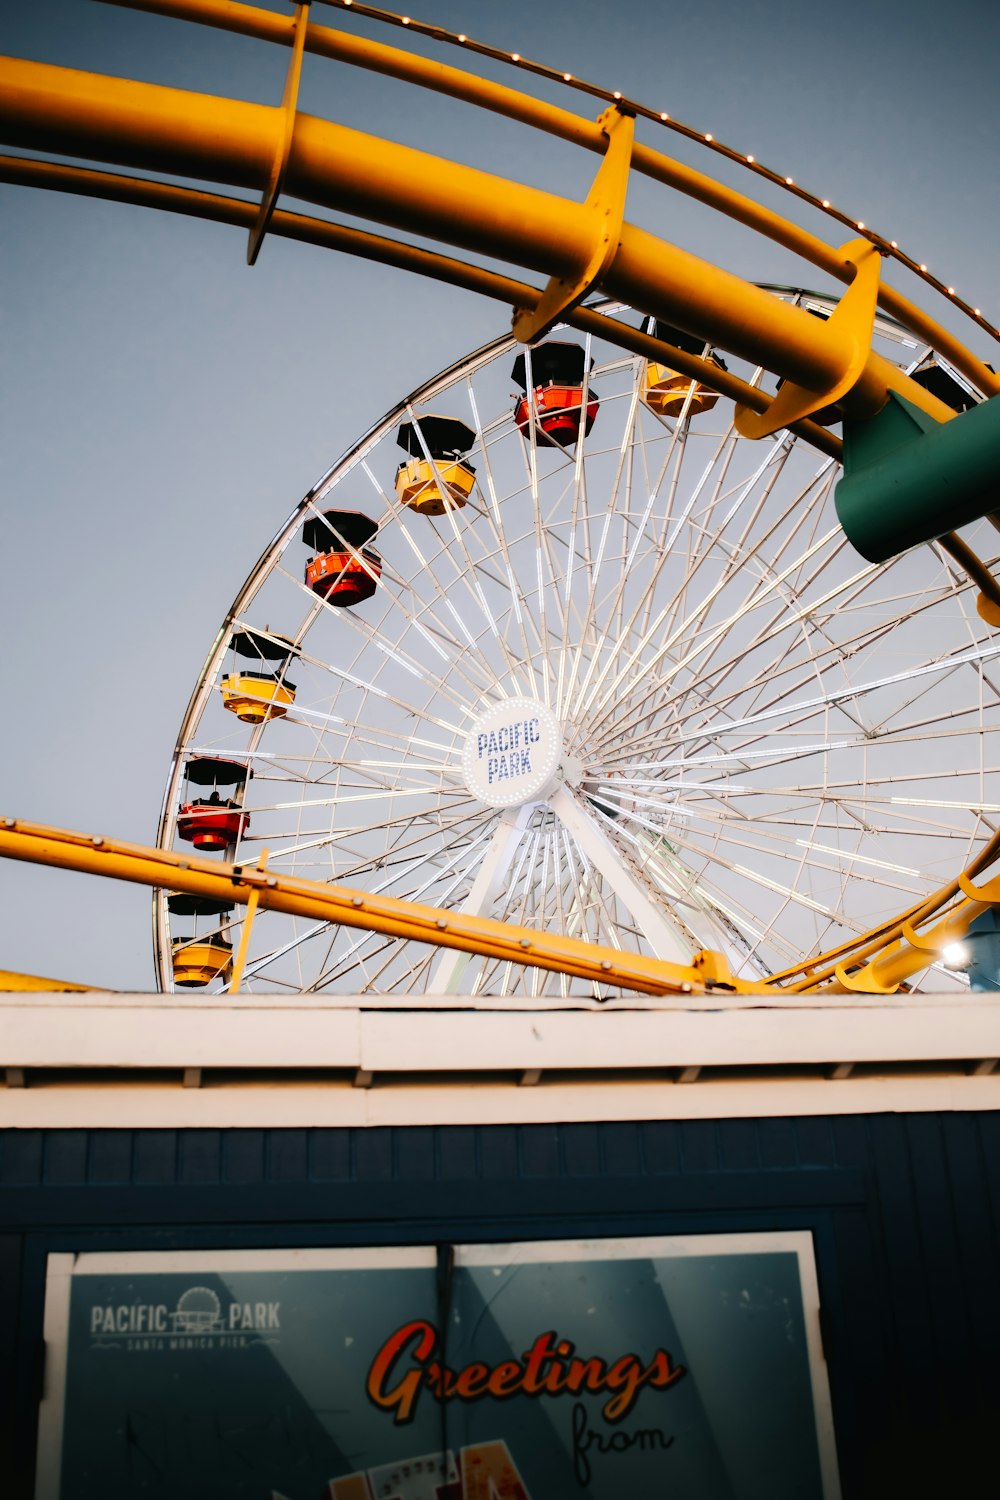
(600, 1369)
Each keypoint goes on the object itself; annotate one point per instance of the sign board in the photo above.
(603, 1369)
(512, 753)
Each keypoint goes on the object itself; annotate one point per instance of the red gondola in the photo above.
(554, 409)
(213, 822)
(343, 571)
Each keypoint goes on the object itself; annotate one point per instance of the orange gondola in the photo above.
(213, 822)
(343, 571)
(554, 408)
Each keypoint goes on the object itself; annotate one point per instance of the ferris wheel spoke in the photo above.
(560, 877)
(588, 685)
(356, 955)
(371, 785)
(355, 966)
(781, 888)
(699, 688)
(402, 854)
(457, 635)
(578, 536)
(370, 636)
(400, 865)
(468, 571)
(716, 707)
(374, 736)
(672, 616)
(847, 693)
(897, 606)
(749, 923)
(740, 558)
(522, 879)
(519, 889)
(672, 465)
(787, 615)
(851, 806)
(341, 837)
(517, 668)
(515, 665)
(361, 950)
(319, 719)
(588, 638)
(264, 961)
(765, 839)
(642, 772)
(423, 964)
(905, 605)
(576, 921)
(925, 731)
(653, 468)
(597, 903)
(411, 977)
(580, 579)
(342, 842)
(530, 454)
(637, 660)
(680, 517)
(648, 664)
(849, 705)
(620, 623)
(928, 687)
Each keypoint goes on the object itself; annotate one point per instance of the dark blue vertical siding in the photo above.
(905, 1212)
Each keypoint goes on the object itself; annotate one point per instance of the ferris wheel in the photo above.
(553, 643)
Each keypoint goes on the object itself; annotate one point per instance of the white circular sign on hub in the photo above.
(512, 753)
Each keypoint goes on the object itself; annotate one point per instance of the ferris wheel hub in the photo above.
(513, 753)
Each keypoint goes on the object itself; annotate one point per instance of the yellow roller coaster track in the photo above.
(579, 248)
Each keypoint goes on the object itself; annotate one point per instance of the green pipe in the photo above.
(908, 479)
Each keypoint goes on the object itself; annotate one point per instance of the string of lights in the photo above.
(889, 248)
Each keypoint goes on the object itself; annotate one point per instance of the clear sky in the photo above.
(163, 406)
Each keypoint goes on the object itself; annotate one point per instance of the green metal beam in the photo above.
(908, 479)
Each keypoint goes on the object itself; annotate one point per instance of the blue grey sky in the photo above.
(163, 406)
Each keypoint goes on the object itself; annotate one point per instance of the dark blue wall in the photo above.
(904, 1209)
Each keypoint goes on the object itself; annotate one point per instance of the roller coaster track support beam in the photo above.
(606, 206)
(852, 320)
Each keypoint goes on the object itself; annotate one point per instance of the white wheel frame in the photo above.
(769, 745)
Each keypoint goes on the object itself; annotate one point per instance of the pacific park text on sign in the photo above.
(507, 749)
(512, 753)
